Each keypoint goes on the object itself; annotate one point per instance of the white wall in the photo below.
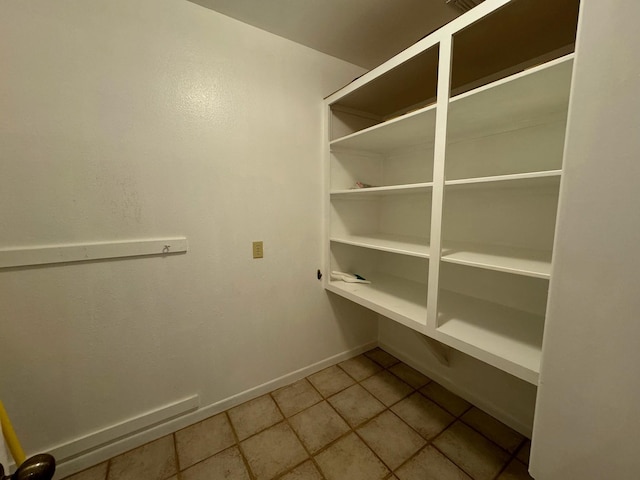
(140, 119)
(500, 394)
(588, 413)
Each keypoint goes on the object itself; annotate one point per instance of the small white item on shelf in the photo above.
(362, 185)
(348, 277)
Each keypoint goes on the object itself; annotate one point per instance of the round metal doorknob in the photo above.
(38, 467)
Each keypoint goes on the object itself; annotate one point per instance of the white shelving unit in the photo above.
(456, 228)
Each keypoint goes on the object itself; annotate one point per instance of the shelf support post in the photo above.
(442, 107)
(437, 349)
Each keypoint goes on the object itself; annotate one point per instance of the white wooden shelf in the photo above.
(394, 297)
(382, 191)
(506, 338)
(516, 180)
(405, 245)
(527, 98)
(411, 129)
(521, 261)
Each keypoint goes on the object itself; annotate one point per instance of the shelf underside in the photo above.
(412, 129)
(535, 96)
(529, 98)
(501, 336)
(394, 297)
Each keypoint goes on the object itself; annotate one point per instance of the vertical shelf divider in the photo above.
(437, 199)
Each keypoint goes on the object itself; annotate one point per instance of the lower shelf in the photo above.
(397, 298)
(501, 336)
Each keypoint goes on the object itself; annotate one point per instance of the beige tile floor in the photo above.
(368, 418)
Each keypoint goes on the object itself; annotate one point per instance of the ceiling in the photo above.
(362, 32)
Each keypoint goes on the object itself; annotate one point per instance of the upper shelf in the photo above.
(353, 193)
(528, 98)
(403, 244)
(515, 180)
(411, 129)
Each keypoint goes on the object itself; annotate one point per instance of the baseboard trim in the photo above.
(459, 390)
(84, 452)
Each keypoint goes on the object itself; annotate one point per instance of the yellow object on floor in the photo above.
(10, 437)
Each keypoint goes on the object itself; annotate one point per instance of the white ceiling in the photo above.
(363, 32)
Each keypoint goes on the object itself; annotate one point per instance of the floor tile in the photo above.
(306, 471)
(430, 464)
(360, 367)
(493, 429)
(387, 388)
(273, 451)
(99, 472)
(296, 397)
(330, 380)
(381, 357)
(199, 441)
(427, 418)
(409, 375)
(254, 416)
(356, 405)
(446, 399)
(472, 452)
(226, 465)
(350, 459)
(524, 452)
(515, 471)
(153, 461)
(318, 426)
(391, 439)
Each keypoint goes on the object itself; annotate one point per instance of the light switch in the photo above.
(257, 250)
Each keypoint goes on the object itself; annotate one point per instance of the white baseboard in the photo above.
(481, 403)
(89, 450)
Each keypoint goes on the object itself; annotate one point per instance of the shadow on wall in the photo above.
(346, 313)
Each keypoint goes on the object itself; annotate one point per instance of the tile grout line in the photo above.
(522, 442)
(237, 444)
(352, 429)
(175, 453)
(108, 470)
(512, 457)
(429, 442)
(387, 408)
(286, 420)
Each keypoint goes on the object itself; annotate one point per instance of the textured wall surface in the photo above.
(157, 118)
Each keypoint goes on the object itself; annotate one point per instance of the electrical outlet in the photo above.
(258, 252)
